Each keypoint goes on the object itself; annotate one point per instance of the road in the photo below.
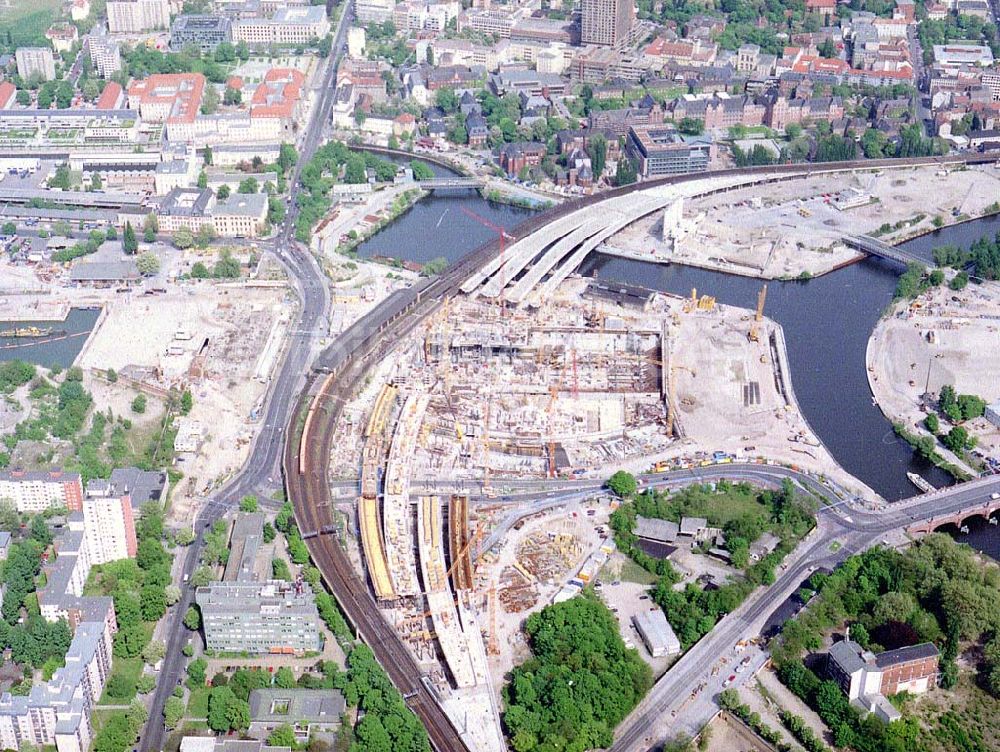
(264, 461)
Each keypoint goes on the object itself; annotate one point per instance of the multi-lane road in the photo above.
(264, 461)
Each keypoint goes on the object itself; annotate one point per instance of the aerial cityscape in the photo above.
(499, 375)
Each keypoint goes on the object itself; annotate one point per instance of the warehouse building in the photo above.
(656, 633)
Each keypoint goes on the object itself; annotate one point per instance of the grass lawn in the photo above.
(198, 703)
(632, 572)
(962, 718)
(131, 669)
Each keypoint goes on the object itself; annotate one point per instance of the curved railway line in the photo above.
(345, 363)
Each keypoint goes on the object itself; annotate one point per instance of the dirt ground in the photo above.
(727, 734)
(945, 337)
(793, 227)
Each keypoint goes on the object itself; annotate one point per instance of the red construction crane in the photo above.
(504, 236)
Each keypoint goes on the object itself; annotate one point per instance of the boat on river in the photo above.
(29, 332)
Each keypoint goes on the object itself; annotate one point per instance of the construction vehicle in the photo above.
(753, 335)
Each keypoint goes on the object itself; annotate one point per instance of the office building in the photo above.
(660, 150)
(105, 55)
(607, 23)
(251, 617)
(241, 215)
(35, 61)
(213, 744)
(306, 710)
(36, 491)
(137, 16)
(204, 32)
(244, 543)
(291, 26)
(167, 97)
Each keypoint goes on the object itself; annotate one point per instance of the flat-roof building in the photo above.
(661, 150)
(251, 617)
(295, 25)
(34, 491)
(244, 543)
(136, 16)
(35, 61)
(205, 32)
(656, 633)
(306, 710)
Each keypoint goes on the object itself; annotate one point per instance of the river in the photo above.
(58, 349)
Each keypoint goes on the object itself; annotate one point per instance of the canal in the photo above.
(58, 348)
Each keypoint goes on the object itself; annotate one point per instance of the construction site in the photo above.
(596, 378)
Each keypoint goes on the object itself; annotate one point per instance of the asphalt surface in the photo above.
(265, 459)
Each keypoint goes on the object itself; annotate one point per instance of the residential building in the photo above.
(79, 9)
(109, 524)
(240, 216)
(494, 21)
(306, 710)
(516, 156)
(251, 617)
(477, 129)
(136, 16)
(8, 95)
(217, 744)
(373, 11)
(205, 32)
(607, 23)
(62, 36)
(720, 110)
(868, 679)
(4, 544)
(105, 54)
(35, 61)
(36, 491)
(291, 26)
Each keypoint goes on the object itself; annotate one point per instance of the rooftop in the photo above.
(308, 14)
(284, 705)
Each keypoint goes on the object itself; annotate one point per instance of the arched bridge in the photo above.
(956, 518)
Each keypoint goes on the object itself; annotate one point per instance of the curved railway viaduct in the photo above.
(341, 368)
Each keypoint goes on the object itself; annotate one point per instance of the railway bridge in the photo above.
(433, 184)
(875, 247)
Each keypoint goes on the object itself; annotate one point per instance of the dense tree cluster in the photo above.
(121, 729)
(579, 684)
(983, 255)
(15, 373)
(744, 514)
(934, 591)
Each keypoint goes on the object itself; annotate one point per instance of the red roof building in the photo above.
(8, 93)
(168, 97)
(112, 98)
(278, 94)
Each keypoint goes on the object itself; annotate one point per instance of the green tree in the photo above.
(192, 619)
(187, 402)
(196, 672)
(959, 281)
(183, 238)
(284, 678)
(96, 183)
(147, 263)
(173, 711)
(210, 101)
(227, 267)
(223, 193)
(248, 504)
(9, 228)
(129, 242)
(232, 96)
(597, 149)
(626, 173)
(139, 404)
(248, 185)
(282, 736)
(219, 701)
(931, 423)
(622, 483)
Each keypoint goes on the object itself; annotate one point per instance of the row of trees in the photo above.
(580, 682)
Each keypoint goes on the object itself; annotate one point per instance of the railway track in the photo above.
(341, 367)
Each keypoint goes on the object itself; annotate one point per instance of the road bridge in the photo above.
(875, 247)
(434, 184)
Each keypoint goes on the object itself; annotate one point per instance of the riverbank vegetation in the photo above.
(983, 256)
(926, 448)
(935, 591)
(743, 514)
(580, 682)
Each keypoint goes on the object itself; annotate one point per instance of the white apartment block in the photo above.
(296, 25)
(35, 61)
(373, 11)
(34, 492)
(106, 56)
(109, 527)
(136, 16)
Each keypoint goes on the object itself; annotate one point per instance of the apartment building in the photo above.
(35, 491)
(35, 61)
(253, 617)
(291, 26)
(607, 23)
(137, 16)
(105, 55)
(373, 11)
(57, 713)
(109, 524)
(62, 36)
